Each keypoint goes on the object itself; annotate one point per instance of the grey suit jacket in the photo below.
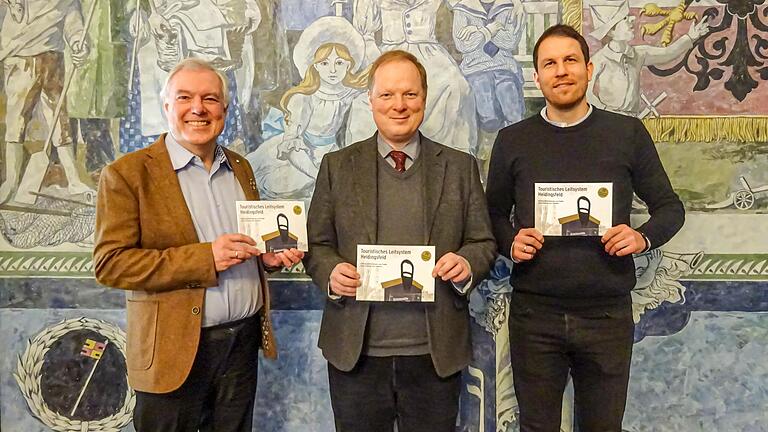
(343, 214)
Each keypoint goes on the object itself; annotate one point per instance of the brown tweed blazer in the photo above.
(146, 243)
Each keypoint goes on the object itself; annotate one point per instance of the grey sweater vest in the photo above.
(398, 328)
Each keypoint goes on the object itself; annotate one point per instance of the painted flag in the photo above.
(93, 349)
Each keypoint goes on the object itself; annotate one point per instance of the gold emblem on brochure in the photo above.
(297, 210)
(426, 255)
(602, 192)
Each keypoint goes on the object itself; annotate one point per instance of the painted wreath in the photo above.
(28, 375)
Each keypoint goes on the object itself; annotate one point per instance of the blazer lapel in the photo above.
(245, 178)
(363, 165)
(434, 175)
(167, 185)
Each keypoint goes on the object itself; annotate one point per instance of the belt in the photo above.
(230, 328)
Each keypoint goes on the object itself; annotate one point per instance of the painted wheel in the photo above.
(744, 199)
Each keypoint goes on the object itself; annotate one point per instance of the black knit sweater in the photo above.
(605, 147)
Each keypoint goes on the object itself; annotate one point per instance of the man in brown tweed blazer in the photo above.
(197, 297)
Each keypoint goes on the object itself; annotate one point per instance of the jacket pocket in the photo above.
(142, 330)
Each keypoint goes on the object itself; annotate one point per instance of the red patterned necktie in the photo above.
(399, 158)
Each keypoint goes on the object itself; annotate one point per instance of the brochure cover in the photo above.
(275, 225)
(396, 273)
(573, 209)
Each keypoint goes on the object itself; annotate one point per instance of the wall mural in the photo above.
(80, 87)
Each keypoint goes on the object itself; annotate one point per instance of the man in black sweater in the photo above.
(571, 306)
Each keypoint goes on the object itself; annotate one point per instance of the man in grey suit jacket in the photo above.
(397, 362)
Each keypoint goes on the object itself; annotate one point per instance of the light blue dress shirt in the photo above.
(211, 198)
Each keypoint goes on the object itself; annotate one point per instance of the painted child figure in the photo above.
(327, 55)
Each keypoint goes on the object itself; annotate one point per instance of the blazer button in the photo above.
(195, 310)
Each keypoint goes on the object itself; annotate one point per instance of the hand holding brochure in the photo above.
(573, 209)
(275, 225)
(396, 273)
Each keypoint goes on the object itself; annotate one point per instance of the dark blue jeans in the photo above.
(594, 346)
(380, 391)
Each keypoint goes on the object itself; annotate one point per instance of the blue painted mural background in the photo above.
(700, 304)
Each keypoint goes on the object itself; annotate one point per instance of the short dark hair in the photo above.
(560, 30)
(393, 56)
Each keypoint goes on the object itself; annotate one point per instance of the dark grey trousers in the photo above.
(220, 390)
(382, 391)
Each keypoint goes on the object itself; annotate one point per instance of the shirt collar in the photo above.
(411, 149)
(181, 157)
(563, 124)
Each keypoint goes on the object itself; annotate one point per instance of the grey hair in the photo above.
(196, 64)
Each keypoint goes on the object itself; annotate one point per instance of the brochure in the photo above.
(275, 225)
(573, 209)
(396, 273)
